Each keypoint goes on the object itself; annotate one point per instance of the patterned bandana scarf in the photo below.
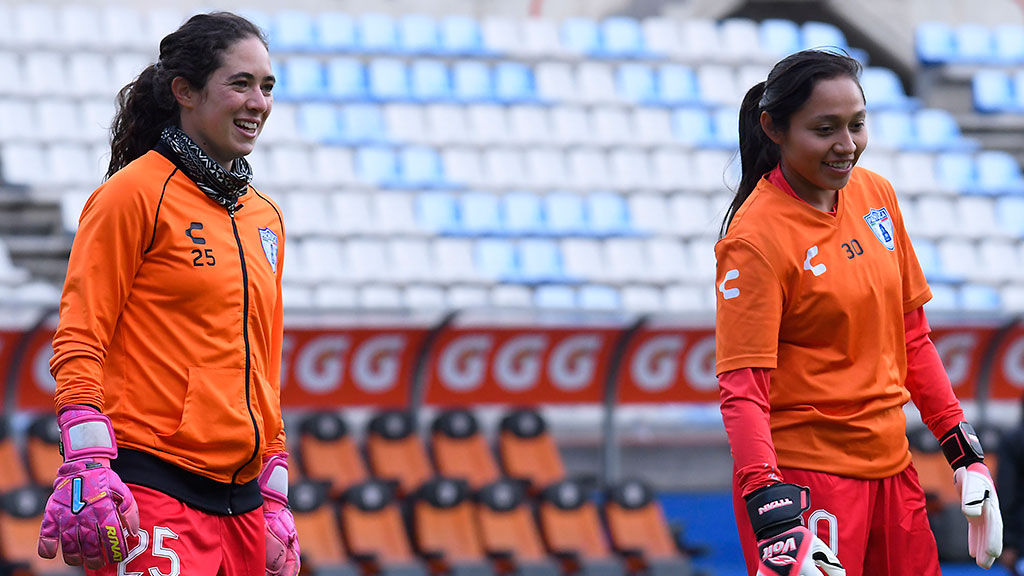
(223, 187)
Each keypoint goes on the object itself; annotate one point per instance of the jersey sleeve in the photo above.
(915, 287)
(105, 256)
(749, 308)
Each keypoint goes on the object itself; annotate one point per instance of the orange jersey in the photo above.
(819, 299)
(171, 321)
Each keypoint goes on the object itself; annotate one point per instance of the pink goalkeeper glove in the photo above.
(282, 540)
(90, 509)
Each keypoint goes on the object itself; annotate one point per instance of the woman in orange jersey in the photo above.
(821, 340)
(167, 355)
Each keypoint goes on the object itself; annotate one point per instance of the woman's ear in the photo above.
(183, 92)
(769, 128)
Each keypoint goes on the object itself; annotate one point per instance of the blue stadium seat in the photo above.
(934, 43)
(335, 32)
(523, 213)
(1008, 44)
(622, 37)
(581, 36)
(937, 129)
(302, 78)
(319, 122)
(377, 33)
(461, 36)
(377, 166)
(944, 296)
(421, 167)
(893, 129)
(293, 30)
(598, 297)
(677, 84)
(472, 81)
(481, 213)
(540, 260)
(363, 124)
(979, 298)
(779, 37)
(388, 79)
(437, 212)
(821, 35)
(957, 170)
(636, 84)
(692, 127)
(1010, 215)
(998, 172)
(346, 79)
(418, 34)
(554, 297)
(883, 89)
(725, 126)
(495, 258)
(514, 83)
(973, 44)
(430, 81)
(564, 214)
(992, 91)
(608, 215)
(928, 256)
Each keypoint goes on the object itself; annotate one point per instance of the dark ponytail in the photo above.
(146, 106)
(787, 88)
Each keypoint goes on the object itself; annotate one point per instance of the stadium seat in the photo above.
(21, 512)
(692, 127)
(626, 260)
(395, 452)
(42, 449)
(293, 30)
(608, 215)
(328, 453)
(779, 37)
(499, 35)
(554, 297)
(514, 83)
(556, 82)
(376, 166)
(581, 36)
(318, 122)
(335, 31)
(936, 129)
(527, 450)
(636, 84)
(973, 44)
(622, 38)
(302, 78)
(583, 259)
(346, 79)
(598, 297)
(545, 168)
(460, 450)
(677, 85)
(892, 129)
(652, 126)
(992, 91)
(504, 168)
(740, 41)
(417, 34)
(979, 298)
(430, 81)
(573, 532)
(377, 32)
(702, 41)
(565, 214)
(611, 127)
(317, 523)
(438, 212)
(1008, 44)
(375, 533)
(639, 531)
(539, 261)
(957, 171)
(388, 79)
(815, 34)
(461, 36)
(541, 38)
(661, 37)
(1010, 214)
(595, 82)
(883, 90)
(508, 533)
(934, 43)
(487, 124)
(406, 123)
(523, 214)
(495, 259)
(998, 172)
(717, 85)
(444, 529)
(412, 262)
(472, 82)
(420, 167)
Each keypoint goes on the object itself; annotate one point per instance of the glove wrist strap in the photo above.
(961, 447)
(777, 508)
(273, 479)
(85, 433)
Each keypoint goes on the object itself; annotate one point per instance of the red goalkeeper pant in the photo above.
(177, 540)
(875, 527)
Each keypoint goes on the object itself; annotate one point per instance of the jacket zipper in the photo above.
(245, 339)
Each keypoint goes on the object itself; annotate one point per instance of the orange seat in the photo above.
(328, 453)
(14, 473)
(444, 528)
(374, 531)
(21, 513)
(42, 448)
(639, 531)
(528, 451)
(461, 451)
(508, 532)
(319, 532)
(573, 532)
(395, 452)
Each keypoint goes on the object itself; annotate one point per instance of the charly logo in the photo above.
(816, 269)
(269, 240)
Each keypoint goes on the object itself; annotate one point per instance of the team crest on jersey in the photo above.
(269, 240)
(881, 225)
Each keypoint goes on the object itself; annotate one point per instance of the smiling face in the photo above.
(824, 140)
(228, 114)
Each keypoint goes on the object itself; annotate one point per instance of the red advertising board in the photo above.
(669, 365)
(1007, 378)
(962, 350)
(520, 365)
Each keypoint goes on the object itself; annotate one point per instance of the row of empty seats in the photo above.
(996, 90)
(938, 43)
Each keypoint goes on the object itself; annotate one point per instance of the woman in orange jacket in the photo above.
(168, 351)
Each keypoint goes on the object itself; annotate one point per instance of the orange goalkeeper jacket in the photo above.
(171, 324)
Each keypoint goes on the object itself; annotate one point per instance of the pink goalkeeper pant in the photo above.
(177, 540)
(875, 527)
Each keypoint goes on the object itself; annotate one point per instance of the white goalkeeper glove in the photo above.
(978, 499)
(784, 546)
